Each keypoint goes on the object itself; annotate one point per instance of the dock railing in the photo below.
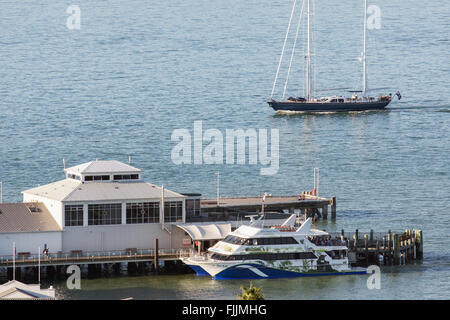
(91, 256)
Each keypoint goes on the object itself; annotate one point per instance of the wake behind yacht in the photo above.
(255, 252)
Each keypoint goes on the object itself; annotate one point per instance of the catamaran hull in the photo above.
(198, 270)
(256, 271)
(327, 107)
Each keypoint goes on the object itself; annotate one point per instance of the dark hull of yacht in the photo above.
(327, 106)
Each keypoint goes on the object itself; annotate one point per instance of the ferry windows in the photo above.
(235, 240)
(173, 211)
(146, 212)
(265, 256)
(142, 212)
(73, 176)
(73, 215)
(260, 241)
(337, 254)
(305, 255)
(101, 214)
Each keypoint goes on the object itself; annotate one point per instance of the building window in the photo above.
(105, 214)
(96, 178)
(173, 211)
(193, 207)
(146, 212)
(73, 215)
(126, 176)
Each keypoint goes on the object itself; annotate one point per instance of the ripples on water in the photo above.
(136, 71)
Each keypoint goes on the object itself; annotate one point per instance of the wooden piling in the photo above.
(396, 246)
(366, 247)
(389, 247)
(419, 245)
(378, 253)
(333, 208)
(155, 255)
(325, 212)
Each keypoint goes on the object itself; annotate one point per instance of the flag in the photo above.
(398, 95)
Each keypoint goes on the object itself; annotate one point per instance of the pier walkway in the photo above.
(100, 257)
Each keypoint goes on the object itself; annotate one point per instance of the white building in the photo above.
(101, 206)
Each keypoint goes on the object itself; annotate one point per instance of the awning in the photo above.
(209, 231)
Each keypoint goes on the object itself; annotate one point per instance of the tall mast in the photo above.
(364, 80)
(308, 60)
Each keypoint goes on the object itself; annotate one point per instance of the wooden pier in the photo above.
(306, 203)
(387, 249)
(97, 263)
(62, 259)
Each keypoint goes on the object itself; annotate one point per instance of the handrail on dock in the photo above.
(90, 256)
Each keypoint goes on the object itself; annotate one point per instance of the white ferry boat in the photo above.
(255, 252)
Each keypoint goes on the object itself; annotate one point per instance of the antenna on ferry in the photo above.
(64, 163)
(129, 159)
(1, 191)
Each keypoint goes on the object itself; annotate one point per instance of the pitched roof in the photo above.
(72, 190)
(102, 166)
(58, 190)
(17, 290)
(26, 217)
(119, 191)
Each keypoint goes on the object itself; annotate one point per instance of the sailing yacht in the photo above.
(255, 252)
(359, 100)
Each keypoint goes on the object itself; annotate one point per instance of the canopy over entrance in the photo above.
(211, 231)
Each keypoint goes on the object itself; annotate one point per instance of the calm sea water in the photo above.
(137, 70)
